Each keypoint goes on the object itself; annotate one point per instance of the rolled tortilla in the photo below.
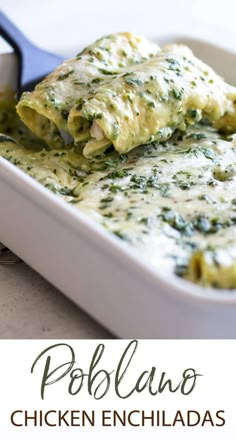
(151, 100)
(45, 110)
(214, 267)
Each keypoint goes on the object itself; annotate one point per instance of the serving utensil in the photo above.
(33, 65)
(33, 62)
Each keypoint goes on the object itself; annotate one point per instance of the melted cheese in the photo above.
(45, 110)
(125, 91)
(173, 197)
(174, 201)
(149, 102)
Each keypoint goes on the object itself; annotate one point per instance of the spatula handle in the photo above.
(17, 41)
(12, 34)
(34, 63)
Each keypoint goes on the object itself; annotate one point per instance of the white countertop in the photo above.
(29, 306)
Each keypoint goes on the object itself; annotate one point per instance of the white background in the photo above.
(65, 26)
(215, 390)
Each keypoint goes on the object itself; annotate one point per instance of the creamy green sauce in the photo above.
(168, 200)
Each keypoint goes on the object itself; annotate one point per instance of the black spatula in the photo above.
(34, 63)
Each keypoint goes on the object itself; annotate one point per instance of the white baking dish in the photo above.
(99, 272)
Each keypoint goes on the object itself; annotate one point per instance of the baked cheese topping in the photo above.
(149, 102)
(45, 110)
(125, 91)
(174, 201)
(141, 139)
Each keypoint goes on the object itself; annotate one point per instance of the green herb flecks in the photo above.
(63, 76)
(108, 72)
(133, 81)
